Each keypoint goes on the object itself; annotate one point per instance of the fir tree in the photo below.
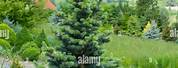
(153, 32)
(79, 34)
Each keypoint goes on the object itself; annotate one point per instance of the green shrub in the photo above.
(5, 44)
(31, 53)
(40, 38)
(12, 35)
(23, 37)
(28, 45)
(30, 50)
(23, 12)
(133, 26)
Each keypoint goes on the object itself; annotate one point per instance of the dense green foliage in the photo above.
(59, 60)
(80, 27)
(22, 12)
(30, 50)
(40, 39)
(20, 18)
(148, 10)
(123, 18)
(12, 34)
(22, 37)
(4, 44)
(78, 32)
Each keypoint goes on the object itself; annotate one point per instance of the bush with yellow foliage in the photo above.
(147, 27)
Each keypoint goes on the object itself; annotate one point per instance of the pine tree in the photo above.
(79, 34)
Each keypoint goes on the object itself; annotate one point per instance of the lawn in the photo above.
(136, 52)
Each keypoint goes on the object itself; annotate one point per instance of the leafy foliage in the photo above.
(163, 19)
(40, 38)
(147, 27)
(30, 50)
(31, 53)
(23, 37)
(133, 26)
(82, 26)
(147, 10)
(22, 12)
(123, 18)
(12, 34)
(4, 44)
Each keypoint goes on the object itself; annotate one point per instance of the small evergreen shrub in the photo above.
(153, 32)
(58, 59)
(29, 45)
(30, 50)
(31, 53)
(133, 26)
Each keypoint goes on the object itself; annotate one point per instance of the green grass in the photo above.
(139, 52)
